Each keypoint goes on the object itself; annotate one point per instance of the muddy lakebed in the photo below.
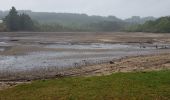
(26, 53)
(70, 55)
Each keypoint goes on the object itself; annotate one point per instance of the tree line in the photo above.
(23, 22)
(18, 22)
(15, 21)
(161, 25)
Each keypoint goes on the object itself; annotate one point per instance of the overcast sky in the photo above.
(119, 8)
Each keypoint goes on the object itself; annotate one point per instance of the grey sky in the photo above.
(119, 8)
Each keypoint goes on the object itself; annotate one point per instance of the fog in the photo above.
(119, 8)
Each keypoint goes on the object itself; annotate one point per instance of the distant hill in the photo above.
(49, 21)
(63, 18)
(72, 19)
(139, 20)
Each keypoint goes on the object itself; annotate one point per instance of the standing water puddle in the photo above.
(91, 46)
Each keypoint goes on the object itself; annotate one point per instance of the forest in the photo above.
(25, 20)
(161, 25)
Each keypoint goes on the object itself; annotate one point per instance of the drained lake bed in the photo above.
(19, 52)
(69, 55)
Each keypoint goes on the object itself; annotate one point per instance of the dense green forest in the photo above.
(18, 22)
(25, 20)
(161, 25)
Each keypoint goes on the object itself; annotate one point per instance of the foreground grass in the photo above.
(120, 86)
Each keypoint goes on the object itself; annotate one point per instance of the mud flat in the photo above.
(144, 63)
(27, 56)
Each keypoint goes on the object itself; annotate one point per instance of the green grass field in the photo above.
(120, 86)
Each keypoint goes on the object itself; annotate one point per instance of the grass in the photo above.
(120, 86)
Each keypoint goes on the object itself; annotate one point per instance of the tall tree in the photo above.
(26, 22)
(12, 20)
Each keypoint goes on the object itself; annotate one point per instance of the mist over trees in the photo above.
(12, 20)
(139, 20)
(161, 25)
(25, 20)
(16, 22)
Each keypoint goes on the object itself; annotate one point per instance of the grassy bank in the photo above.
(120, 86)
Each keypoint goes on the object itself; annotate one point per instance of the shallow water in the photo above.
(80, 56)
(92, 46)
